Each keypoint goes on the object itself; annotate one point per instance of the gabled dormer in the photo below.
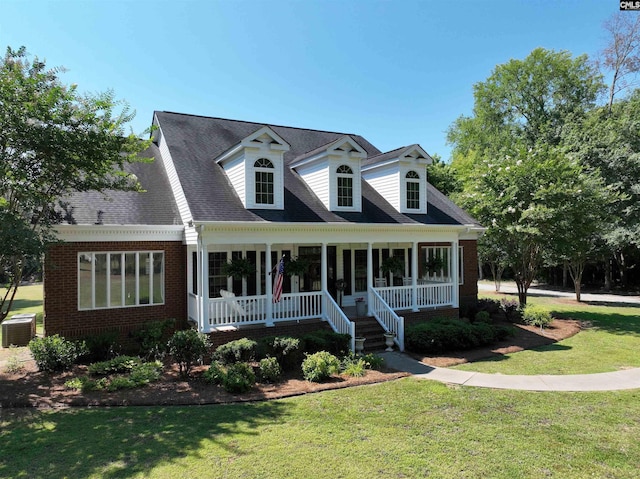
(255, 168)
(332, 172)
(400, 176)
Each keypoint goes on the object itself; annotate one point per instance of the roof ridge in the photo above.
(259, 123)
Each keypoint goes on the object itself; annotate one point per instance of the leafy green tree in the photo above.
(529, 201)
(53, 141)
(442, 176)
(607, 141)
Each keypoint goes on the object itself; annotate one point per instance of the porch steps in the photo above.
(369, 328)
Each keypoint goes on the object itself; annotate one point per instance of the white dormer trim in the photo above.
(239, 162)
(319, 170)
(389, 177)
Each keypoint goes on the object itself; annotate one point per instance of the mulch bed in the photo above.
(31, 388)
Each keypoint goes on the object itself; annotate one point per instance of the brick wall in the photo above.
(61, 291)
(469, 290)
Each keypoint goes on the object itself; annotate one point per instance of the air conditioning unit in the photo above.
(18, 330)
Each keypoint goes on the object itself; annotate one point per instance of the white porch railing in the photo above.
(429, 295)
(244, 310)
(387, 318)
(337, 319)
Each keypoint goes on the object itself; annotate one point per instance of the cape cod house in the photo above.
(223, 190)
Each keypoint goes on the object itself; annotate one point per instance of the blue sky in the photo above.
(396, 72)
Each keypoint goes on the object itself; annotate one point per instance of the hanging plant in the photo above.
(296, 267)
(434, 264)
(238, 268)
(392, 264)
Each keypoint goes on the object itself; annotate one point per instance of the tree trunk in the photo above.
(522, 292)
(564, 274)
(607, 273)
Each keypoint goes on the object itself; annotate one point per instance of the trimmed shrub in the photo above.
(101, 347)
(510, 309)
(187, 348)
(215, 374)
(270, 370)
(536, 316)
(320, 366)
(483, 317)
(240, 350)
(373, 361)
(444, 334)
(152, 338)
(119, 364)
(324, 340)
(145, 373)
(285, 349)
(239, 378)
(354, 366)
(55, 353)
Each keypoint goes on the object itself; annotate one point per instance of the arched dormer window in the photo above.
(413, 190)
(264, 181)
(344, 175)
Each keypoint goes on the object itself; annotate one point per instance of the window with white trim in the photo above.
(264, 173)
(413, 190)
(344, 175)
(120, 279)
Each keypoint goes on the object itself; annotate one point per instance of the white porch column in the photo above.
(414, 277)
(268, 284)
(455, 258)
(369, 276)
(323, 273)
(204, 284)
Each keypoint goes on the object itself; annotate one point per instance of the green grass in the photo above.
(611, 342)
(28, 299)
(406, 428)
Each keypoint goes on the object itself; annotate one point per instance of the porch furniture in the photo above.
(406, 280)
(381, 282)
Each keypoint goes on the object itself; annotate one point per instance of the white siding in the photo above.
(235, 170)
(176, 188)
(386, 182)
(276, 157)
(316, 176)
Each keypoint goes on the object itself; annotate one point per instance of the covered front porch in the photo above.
(335, 280)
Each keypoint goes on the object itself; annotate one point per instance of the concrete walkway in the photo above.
(613, 381)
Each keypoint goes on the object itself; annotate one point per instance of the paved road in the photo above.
(510, 287)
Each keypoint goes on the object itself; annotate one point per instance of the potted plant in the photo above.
(393, 265)
(361, 307)
(296, 267)
(389, 336)
(238, 268)
(434, 264)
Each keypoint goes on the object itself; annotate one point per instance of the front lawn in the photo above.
(405, 428)
(609, 342)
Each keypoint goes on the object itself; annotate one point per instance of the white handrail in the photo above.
(429, 295)
(337, 319)
(387, 318)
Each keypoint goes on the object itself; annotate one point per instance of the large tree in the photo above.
(53, 141)
(509, 155)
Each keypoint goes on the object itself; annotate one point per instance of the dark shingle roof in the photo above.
(154, 206)
(195, 141)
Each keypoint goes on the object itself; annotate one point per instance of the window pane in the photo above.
(115, 265)
(158, 278)
(130, 279)
(101, 280)
(85, 283)
(264, 187)
(217, 280)
(360, 270)
(413, 195)
(345, 191)
(144, 273)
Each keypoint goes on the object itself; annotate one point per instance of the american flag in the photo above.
(277, 283)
